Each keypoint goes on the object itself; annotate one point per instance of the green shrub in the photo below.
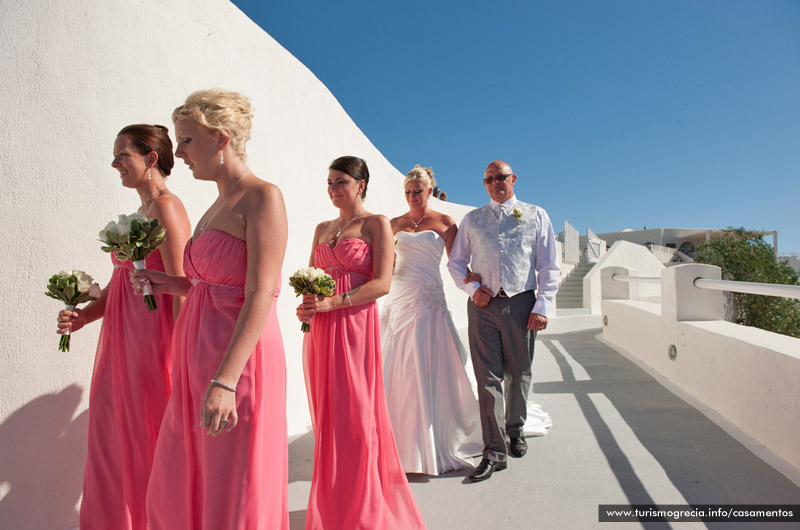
(744, 256)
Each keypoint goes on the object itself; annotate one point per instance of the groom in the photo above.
(512, 246)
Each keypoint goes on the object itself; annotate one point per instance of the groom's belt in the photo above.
(502, 294)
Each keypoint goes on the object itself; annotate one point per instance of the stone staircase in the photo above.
(570, 293)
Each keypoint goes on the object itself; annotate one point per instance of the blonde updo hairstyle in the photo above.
(420, 174)
(220, 110)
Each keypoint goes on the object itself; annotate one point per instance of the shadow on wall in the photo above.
(40, 441)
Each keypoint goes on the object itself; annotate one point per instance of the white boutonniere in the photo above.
(517, 213)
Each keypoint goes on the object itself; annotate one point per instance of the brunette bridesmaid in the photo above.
(131, 379)
(358, 481)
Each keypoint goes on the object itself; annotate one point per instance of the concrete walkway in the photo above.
(619, 437)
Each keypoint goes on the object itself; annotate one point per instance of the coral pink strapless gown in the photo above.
(358, 482)
(237, 480)
(130, 388)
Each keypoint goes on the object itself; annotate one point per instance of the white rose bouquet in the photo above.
(72, 288)
(133, 237)
(312, 280)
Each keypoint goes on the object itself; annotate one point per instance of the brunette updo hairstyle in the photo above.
(220, 110)
(420, 174)
(146, 138)
(355, 167)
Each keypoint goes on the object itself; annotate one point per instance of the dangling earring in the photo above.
(149, 174)
(220, 158)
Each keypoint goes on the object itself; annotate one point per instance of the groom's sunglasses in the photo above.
(499, 178)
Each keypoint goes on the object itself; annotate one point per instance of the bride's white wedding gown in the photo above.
(433, 408)
(430, 395)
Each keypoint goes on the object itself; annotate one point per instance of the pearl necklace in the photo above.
(204, 223)
(341, 228)
(416, 223)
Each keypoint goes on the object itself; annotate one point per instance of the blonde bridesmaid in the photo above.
(222, 455)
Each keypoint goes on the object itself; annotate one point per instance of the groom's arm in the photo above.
(547, 264)
(460, 255)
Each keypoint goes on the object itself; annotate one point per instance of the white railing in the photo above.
(636, 279)
(766, 289)
(595, 247)
(571, 244)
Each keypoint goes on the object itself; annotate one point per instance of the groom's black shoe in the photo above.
(517, 446)
(485, 469)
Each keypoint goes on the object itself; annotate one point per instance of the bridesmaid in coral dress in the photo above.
(131, 378)
(222, 456)
(358, 482)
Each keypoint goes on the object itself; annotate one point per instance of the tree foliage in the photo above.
(744, 256)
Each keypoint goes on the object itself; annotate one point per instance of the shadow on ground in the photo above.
(619, 437)
(701, 460)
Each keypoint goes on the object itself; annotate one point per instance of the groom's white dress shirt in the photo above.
(512, 246)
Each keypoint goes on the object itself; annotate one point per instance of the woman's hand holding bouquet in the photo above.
(72, 288)
(133, 237)
(312, 281)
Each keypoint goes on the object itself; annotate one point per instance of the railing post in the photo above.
(681, 300)
(614, 290)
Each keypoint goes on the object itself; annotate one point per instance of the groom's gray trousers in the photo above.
(501, 346)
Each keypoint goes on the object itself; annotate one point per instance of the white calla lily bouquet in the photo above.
(71, 287)
(312, 280)
(133, 237)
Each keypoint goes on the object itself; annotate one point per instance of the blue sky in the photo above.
(614, 114)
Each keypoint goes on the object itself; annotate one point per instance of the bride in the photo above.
(433, 409)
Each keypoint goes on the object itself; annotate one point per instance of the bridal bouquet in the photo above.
(72, 288)
(312, 281)
(133, 237)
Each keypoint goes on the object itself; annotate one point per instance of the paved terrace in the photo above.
(619, 437)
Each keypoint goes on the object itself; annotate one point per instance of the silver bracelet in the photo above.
(350, 302)
(224, 385)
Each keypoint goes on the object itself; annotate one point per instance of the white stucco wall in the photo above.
(622, 254)
(74, 74)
